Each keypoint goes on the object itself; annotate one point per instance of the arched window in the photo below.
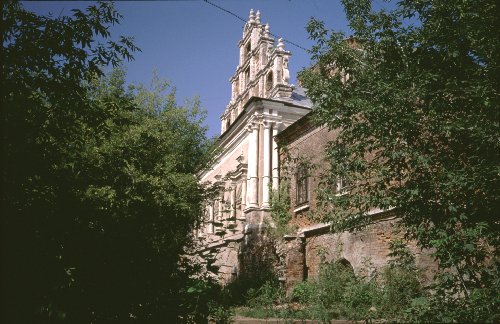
(269, 82)
(248, 49)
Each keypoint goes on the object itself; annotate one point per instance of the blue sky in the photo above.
(194, 45)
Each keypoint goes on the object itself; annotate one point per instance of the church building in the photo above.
(262, 104)
(265, 114)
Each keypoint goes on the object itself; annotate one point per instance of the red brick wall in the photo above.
(366, 250)
(310, 148)
(294, 261)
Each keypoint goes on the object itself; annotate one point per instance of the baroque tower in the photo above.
(262, 104)
(262, 70)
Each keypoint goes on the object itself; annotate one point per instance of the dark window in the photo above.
(248, 49)
(302, 186)
(269, 82)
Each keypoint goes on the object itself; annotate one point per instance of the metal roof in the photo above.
(298, 98)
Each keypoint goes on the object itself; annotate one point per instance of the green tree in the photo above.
(46, 62)
(143, 198)
(99, 193)
(415, 96)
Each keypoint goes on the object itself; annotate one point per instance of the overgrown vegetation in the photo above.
(99, 186)
(337, 293)
(279, 202)
(258, 263)
(414, 96)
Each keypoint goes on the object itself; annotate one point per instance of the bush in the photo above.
(439, 305)
(266, 296)
(304, 292)
(393, 293)
(399, 287)
(220, 313)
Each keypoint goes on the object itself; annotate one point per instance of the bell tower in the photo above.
(262, 71)
(246, 166)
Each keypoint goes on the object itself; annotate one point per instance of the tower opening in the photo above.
(269, 82)
(248, 49)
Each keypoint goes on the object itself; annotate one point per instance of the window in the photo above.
(342, 186)
(302, 186)
(269, 82)
(236, 87)
(247, 76)
(248, 49)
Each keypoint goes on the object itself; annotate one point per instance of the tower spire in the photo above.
(262, 70)
(251, 17)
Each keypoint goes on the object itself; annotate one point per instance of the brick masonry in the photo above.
(265, 111)
(365, 250)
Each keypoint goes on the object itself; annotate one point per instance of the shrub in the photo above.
(440, 305)
(393, 293)
(399, 287)
(220, 313)
(267, 295)
(304, 292)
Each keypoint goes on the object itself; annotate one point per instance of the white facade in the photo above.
(262, 104)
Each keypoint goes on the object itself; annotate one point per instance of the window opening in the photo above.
(342, 185)
(346, 265)
(269, 82)
(248, 49)
(302, 186)
(247, 76)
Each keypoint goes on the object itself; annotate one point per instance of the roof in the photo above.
(297, 98)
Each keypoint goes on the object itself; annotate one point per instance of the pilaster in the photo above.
(267, 164)
(219, 210)
(253, 161)
(232, 213)
(210, 218)
(275, 157)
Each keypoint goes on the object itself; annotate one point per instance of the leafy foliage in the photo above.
(280, 210)
(292, 165)
(261, 302)
(337, 293)
(99, 191)
(415, 96)
(257, 269)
